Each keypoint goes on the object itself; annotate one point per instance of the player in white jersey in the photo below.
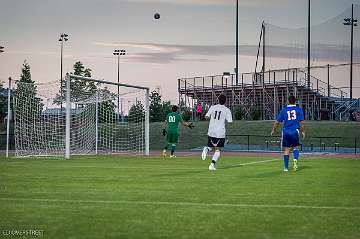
(218, 115)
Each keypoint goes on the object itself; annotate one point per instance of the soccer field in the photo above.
(129, 197)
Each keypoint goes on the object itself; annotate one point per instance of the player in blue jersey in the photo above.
(292, 118)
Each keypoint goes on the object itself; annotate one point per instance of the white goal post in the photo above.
(83, 116)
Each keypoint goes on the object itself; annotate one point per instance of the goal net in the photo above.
(83, 116)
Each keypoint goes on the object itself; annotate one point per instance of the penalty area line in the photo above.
(194, 204)
(250, 163)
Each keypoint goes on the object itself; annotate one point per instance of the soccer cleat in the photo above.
(204, 153)
(295, 166)
(212, 167)
(286, 170)
(164, 153)
(173, 156)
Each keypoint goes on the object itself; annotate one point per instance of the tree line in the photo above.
(80, 89)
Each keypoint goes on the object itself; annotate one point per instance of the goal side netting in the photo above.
(83, 116)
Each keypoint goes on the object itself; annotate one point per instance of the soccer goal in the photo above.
(82, 116)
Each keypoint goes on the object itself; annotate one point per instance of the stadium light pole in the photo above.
(353, 23)
(8, 113)
(118, 53)
(237, 43)
(63, 38)
(309, 41)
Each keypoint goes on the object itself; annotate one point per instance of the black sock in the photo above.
(173, 147)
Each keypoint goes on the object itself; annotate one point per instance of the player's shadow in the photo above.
(280, 172)
(184, 173)
(258, 175)
(226, 167)
(304, 167)
(266, 174)
(230, 166)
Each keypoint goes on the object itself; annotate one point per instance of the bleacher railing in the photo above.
(270, 77)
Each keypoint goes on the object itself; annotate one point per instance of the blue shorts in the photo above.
(290, 138)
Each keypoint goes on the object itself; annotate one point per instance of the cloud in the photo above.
(155, 53)
(146, 46)
(163, 58)
(169, 53)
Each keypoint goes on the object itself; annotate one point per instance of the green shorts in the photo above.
(172, 137)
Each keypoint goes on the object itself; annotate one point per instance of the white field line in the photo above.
(194, 204)
(250, 163)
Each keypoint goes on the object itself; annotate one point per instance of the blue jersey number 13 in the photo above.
(291, 114)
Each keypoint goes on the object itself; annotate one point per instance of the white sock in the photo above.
(216, 156)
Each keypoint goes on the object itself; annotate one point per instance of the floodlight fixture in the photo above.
(63, 37)
(119, 52)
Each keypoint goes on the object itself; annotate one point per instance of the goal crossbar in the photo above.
(105, 82)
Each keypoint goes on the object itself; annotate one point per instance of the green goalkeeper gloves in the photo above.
(191, 125)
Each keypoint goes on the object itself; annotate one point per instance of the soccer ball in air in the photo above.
(157, 16)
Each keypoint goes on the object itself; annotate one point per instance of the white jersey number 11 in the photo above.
(217, 115)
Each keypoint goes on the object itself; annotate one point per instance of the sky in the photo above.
(192, 37)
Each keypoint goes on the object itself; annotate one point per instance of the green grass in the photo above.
(347, 130)
(113, 197)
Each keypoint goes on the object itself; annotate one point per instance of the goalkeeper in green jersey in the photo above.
(172, 130)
